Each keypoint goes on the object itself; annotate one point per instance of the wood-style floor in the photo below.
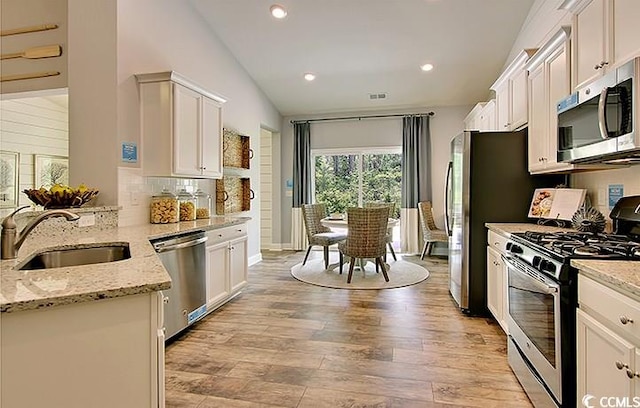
(284, 343)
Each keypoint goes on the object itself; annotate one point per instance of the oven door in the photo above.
(534, 321)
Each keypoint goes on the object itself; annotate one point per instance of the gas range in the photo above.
(542, 300)
(584, 245)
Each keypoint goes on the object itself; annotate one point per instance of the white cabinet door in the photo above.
(211, 152)
(559, 86)
(626, 29)
(238, 263)
(591, 47)
(502, 107)
(187, 130)
(599, 354)
(518, 99)
(488, 116)
(495, 283)
(218, 285)
(538, 115)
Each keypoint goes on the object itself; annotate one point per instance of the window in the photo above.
(350, 178)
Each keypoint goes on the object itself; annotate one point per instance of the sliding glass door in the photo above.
(350, 178)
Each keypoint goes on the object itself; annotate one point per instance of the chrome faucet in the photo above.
(12, 241)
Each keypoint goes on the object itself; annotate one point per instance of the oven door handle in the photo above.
(543, 286)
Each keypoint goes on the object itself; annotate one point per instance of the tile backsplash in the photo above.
(597, 184)
(135, 191)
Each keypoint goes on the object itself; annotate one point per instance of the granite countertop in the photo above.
(623, 276)
(143, 272)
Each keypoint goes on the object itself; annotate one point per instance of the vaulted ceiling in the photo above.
(359, 47)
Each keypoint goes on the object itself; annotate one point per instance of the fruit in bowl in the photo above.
(61, 196)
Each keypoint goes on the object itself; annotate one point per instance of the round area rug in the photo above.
(401, 273)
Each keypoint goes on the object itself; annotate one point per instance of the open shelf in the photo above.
(236, 150)
(233, 195)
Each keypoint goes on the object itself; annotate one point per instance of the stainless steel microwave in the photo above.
(598, 123)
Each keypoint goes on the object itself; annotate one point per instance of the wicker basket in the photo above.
(237, 152)
(233, 195)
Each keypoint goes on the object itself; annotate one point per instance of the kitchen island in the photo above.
(87, 335)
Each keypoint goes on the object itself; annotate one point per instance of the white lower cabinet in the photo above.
(238, 263)
(497, 279)
(608, 349)
(104, 353)
(227, 264)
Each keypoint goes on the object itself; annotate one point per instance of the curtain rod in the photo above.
(364, 117)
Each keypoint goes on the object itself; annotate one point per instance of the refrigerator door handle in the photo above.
(447, 189)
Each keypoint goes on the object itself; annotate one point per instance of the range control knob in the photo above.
(508, 247)
(516, 249)
(536, 261)
(549, 267)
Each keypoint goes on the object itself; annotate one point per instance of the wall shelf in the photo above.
(236, 150)
(233, 195)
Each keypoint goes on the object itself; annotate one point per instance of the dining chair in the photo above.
(389, 236)
(430, 232)
(318, 234)
(366, 238)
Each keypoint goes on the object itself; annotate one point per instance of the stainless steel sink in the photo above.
(58, 258)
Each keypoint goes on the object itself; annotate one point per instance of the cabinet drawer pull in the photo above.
(631, 374)
(625, 320)
(620, 365)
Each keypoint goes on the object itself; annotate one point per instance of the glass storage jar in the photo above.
(164, 208)
(203, 204)
(187, 205)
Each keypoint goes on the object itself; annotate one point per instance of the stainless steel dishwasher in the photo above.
(184, 257)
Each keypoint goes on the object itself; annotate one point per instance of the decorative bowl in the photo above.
(61, 199)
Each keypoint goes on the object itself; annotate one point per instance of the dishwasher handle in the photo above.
(161, 248)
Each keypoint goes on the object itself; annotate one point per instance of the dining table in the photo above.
(343, 223)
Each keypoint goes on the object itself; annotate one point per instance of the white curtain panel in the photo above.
(299, 239)
(410, 231)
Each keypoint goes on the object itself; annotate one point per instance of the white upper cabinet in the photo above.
(482, 117)
(511, 94)
(606, 34)
(488, 116)
(181, 127)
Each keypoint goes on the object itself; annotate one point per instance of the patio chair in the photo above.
(389, 237)
(318, 234)
(430, 232)
(366, 238)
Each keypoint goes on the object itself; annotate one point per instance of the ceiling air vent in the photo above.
(375, 96)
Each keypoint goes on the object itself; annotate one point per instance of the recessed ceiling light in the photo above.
(309, 76)
(426, 67)
(278, 11)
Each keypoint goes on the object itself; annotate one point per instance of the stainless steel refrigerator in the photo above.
(487, 181)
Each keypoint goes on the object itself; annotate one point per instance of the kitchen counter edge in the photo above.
(142, 273)
(621, 276)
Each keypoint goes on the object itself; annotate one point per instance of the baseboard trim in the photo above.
(254, 259)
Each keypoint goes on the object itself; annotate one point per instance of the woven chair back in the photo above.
(367, 232)
(312, 214)
(377, 204)
(426, 218)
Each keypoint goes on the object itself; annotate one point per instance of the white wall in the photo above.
(138, 36)
(33, 126)
(447, 122)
